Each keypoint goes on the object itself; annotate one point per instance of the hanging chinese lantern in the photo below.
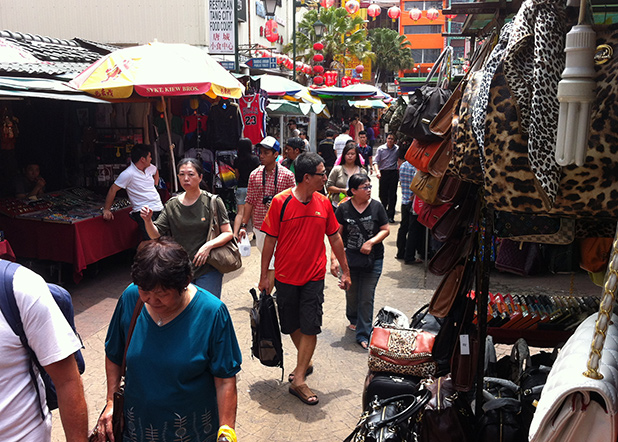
(414, 70)
(279, 58)
(359, 69)
(345, 81)
(432, 14)
(356, 80)
(318, 80)
(307, 69)
(318, 58)
(288, 63)
(352, 6)
(428, 69)
(318, 46)
(327, 3)
(374, 10)
(394, 12)
(330, 78)
(415, 14)
(271, 31)
(450, 16)
(318, 69)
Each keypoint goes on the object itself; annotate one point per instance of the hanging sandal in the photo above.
(303, 393)
(307, 373)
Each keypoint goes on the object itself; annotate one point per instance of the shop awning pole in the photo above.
(169, 139)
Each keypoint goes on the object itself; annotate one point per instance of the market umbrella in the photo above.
(158, 70)
(367, 104)
(279, 86)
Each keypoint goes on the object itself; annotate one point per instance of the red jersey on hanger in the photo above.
(253, 117)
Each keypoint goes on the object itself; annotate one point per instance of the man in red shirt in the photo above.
(296, 222)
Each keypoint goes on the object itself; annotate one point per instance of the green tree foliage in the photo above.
(345, 36)
(392, 52)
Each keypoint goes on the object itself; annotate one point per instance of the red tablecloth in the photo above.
(6, 252)
(80, 244)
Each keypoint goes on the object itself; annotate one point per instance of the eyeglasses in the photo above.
(319, 173)
(368, 187)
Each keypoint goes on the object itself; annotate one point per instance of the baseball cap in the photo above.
(270, 143)
(296, 143)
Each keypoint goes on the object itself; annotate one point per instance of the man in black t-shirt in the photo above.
(327, 151)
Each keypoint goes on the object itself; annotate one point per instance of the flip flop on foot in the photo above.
(352, 327)
(307, 373)
(364, 344)
(303, 393)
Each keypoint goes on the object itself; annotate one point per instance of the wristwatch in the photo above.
(243, 226)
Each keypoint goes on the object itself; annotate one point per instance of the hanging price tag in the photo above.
(464, 345)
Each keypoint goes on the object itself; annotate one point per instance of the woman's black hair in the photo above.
(245, 148)
(348, 147)
(193, 162)
(162, 263)
(355, 181)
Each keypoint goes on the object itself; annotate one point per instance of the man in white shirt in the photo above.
(22, 417)
(139, 180)
(342, 139)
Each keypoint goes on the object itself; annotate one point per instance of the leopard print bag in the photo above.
(589, 191)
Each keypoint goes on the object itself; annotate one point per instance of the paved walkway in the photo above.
(266, 411)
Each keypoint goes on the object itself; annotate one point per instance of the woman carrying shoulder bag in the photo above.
(187, 219)
(363, 225)
(338, 178)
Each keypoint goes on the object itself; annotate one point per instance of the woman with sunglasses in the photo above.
(363, 225)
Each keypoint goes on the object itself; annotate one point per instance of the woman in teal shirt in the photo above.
(183, 356)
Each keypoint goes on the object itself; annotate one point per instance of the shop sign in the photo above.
(221, 14)
(230, 65)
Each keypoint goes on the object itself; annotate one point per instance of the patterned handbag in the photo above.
(534, 228)
(404, 351)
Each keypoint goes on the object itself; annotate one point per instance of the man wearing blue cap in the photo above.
(264, 183)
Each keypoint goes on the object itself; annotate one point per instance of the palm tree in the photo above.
(392, 52)
(345, 36)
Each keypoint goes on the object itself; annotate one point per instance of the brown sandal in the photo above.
(307, 373)
(303, 393)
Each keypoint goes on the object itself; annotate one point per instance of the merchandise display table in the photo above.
(67, 226)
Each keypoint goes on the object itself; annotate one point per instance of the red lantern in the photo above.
(318, 58)
(345, 81)
(394, 12)
(414, 70)
(288, 63)
(327, 3)
(356, 80)
(450, 16)
(415, 14)
(428, 69)
(352, 6)
(318, 80)
(318, 46)
(359, 69)
(271, 31)
(374, 10)
(279, 58)
(432, 14)
(318, 69)
(330, 78)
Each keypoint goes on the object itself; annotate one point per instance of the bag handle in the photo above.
(214, 216)
(136, 312)
(605, 312)
(445, 54)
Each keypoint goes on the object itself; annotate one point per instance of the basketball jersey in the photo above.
(253, 117)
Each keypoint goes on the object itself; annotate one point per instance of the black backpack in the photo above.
(266, 345)
(8, 306)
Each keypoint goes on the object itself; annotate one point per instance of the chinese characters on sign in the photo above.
(221, 14)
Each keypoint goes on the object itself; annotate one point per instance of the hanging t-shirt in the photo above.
(252, 108)
(224, 126)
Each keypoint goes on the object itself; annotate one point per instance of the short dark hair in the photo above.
(391, 133)
(140, 151)
(345, 128)
(357, 180)
(330, 133)
(245, 147)
(362, 132)
(162, 263)
(296, 143)
(193, 162)
(305, 163)
(351, 145)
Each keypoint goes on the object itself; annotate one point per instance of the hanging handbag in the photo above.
(225, 258)
(420, 153)
(450, 254)
(438, 164)
(425, 102)
(520, 258)
(580, 400)
(430, 214)
(118, 398)
(390, 420)
(425, 186)
(456, 283)
(403, 351)
(455, 222)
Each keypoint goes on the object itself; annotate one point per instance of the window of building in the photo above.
(422, 5)
(456, 27)
(422, 29)
(425, 55)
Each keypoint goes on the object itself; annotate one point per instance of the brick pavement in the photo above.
(266, 411)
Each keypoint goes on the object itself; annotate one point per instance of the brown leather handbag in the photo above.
(421, 153)
(425, 186)
(447, 291)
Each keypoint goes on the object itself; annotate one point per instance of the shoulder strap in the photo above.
(285, 203)
(354, 215)
(8, 306)
(136, 312)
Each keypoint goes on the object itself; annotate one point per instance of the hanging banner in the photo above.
(221, 14)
